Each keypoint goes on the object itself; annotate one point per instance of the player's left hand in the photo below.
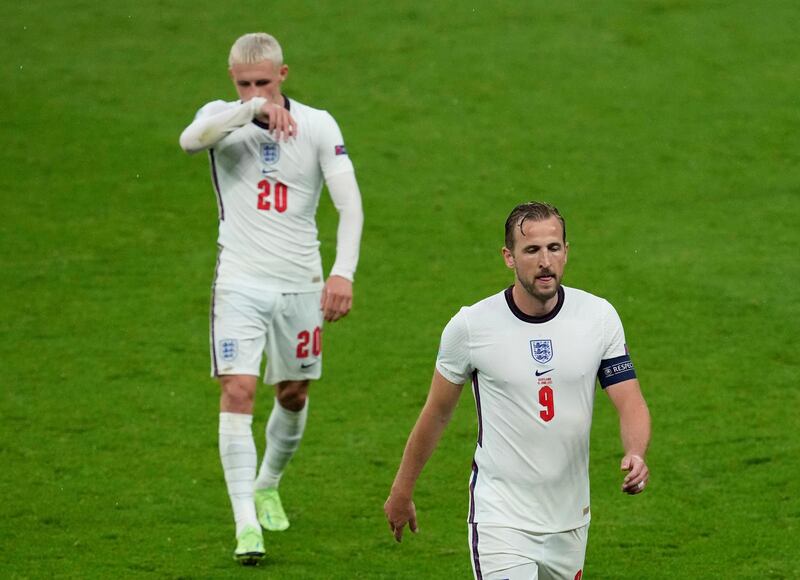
(337, 298)
(638, 474)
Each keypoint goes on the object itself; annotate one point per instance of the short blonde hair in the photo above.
(255, 47)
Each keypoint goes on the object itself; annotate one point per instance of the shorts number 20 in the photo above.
(314, 338)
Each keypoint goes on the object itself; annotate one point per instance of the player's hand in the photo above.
(337, 298)
(281, 123)
(638, 474)
(399, 512)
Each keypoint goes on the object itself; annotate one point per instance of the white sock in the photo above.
(284, 432)
(237, 450)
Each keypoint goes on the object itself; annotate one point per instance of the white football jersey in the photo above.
(268, 193)
(534, 382)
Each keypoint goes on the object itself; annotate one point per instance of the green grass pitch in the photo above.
(665, 130)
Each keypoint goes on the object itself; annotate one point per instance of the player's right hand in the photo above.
(400, 512)
(281, 123)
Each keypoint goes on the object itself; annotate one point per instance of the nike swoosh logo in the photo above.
(305, 366)
(539, 374)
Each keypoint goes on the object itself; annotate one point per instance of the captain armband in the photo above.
(615, 370)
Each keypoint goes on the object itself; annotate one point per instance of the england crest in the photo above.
(270, 153)
(542, 350)
(229, 349)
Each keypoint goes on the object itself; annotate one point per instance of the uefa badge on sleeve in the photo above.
(542, 350)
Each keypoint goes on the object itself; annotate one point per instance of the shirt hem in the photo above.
(527, 527)
(269, 286)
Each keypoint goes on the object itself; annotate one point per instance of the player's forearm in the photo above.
(420, 446)
(346, 198)
(634, 425)
(205, 132)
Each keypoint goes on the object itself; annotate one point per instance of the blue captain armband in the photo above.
(615, 370)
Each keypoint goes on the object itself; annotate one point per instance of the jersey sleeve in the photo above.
(453, 361)
(333, 158)
(347, 200)
(214, 108)
(215, 120)
(616, 365)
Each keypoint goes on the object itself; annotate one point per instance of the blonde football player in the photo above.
(269, 157)
(532, 354)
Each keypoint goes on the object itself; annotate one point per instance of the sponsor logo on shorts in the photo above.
(308, 365)
(270, 153)
(340, 150)
(228, 349)
(542, 350)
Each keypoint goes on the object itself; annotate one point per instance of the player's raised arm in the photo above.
(218, 119)
(215, 121)
(634, 425)
(434, 417)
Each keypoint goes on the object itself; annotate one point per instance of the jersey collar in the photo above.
(534, 319)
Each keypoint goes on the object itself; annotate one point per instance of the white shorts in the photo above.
(499, 552)
(246, 324)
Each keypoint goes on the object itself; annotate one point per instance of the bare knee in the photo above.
(292, 395)
(237, 393)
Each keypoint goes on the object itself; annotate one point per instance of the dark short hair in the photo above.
(532, 210)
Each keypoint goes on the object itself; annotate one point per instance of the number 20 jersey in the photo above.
(268, 193)
(533, 379)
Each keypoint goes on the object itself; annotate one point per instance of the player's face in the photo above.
(538, 257)
(261, 79)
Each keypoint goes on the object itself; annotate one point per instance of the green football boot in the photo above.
(249, 547)
(270, 510)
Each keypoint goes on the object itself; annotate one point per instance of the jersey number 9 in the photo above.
(546, 401)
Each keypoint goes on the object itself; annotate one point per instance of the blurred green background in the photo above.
(666, 131)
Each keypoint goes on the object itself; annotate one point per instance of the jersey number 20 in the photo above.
(265, 189)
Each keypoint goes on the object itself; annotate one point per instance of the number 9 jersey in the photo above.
(267, 196)
(533, 379)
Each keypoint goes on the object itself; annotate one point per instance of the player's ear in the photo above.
(566, 251)
(508, 257)
(283, 71)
